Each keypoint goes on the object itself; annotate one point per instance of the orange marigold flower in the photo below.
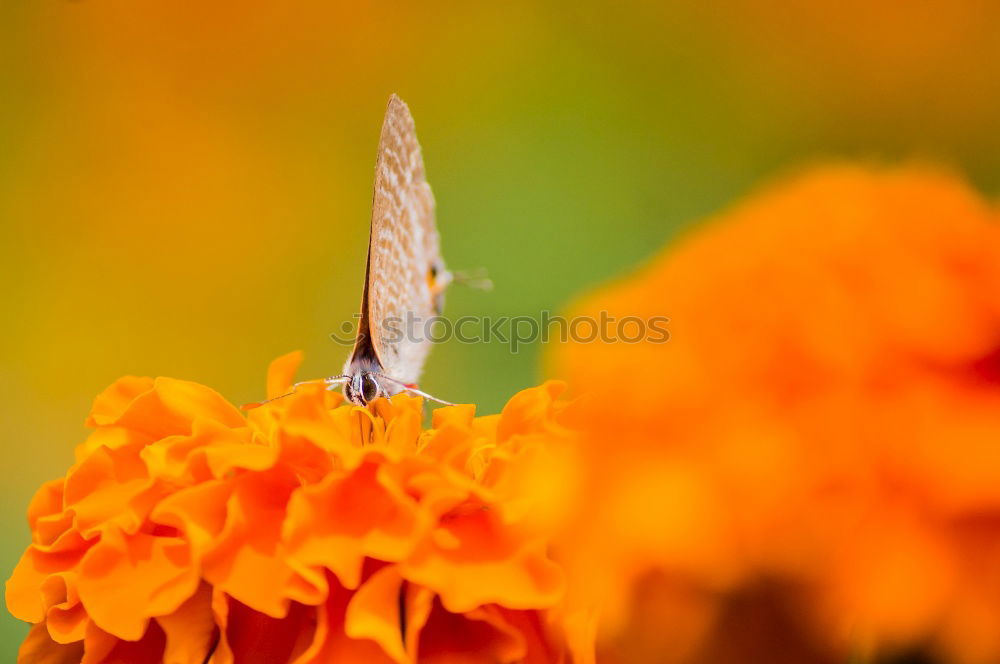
(809, 466)
(306, 532)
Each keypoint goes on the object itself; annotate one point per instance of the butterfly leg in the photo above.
(411, 389)
(331, 383)
(416, 392)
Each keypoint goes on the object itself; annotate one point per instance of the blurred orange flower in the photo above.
(810, 466)
(309, 531)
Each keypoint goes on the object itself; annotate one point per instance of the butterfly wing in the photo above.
(405, 274)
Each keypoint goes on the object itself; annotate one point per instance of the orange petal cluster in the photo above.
(309, 531)
(809, 469)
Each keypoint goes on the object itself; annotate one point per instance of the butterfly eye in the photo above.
(369, 388)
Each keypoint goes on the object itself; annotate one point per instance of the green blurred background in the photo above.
(185, 186)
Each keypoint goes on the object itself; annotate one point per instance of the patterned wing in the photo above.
(405, 274)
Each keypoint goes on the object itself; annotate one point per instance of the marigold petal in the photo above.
(580, 628)
(39, 648)
(373, 613)
(459, 415)
(419, 604)
(67, 625)
(46, 517)
(189, 630)
(66, 618)
(212, 450)
(60, 590)
(111, 437)
(473, 559)
(451, 445)
(512, 643)
(21, 592)
(225, 459)
(126, 579)
(281, 373)
(99, 487)
(891, 580)
(325, 526)
(170, 407)
(25, 589)
(52, 528)
(256, 638)
(535, 486)
(116, 398)
(309, 433)
(478, 637)
(404, 425)
(246, 550)
(222, 653)
(530, 410)
(330, 644)
(198, 511)
(47, 501)
(146, 650)
(97, 644)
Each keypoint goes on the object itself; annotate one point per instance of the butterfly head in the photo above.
(363, 388)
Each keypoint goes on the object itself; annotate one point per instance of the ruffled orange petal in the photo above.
(169, 408)
(146, 650)
(281, 373)
(256, 638)
(246, 551)
(198, 511)
(67, 621)
(212, 450)
(338, 522)
(39, 648)
(67, 625)
(115, 400)
(25, 589)
(330, 644)
(102, 484)
(311, 437)
(97, 645)
(374, 613)
(481, 636)
(190, 630)
(471, 559)
(222, 653)
(404, 415)
(46, 502)
(126, 579)
(530, 411)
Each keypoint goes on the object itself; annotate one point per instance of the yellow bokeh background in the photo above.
(185, 186)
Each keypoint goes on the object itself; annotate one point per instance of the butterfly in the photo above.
(405, 276)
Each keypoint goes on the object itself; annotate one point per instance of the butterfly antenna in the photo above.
(330, 382)
(478, 279)
(412, 390)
